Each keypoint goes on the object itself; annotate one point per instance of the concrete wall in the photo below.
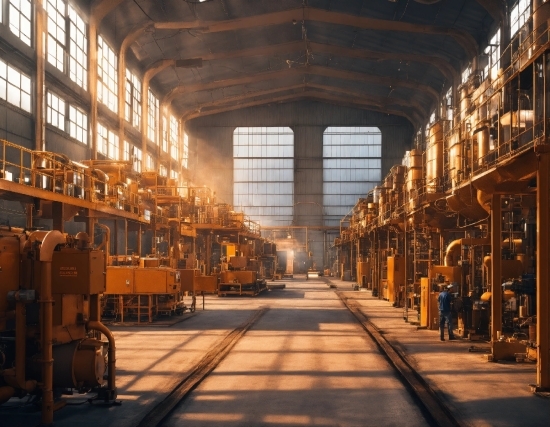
(212, 139)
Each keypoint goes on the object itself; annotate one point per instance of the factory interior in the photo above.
(271, 195)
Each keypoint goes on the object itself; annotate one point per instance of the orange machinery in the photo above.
(50, 333)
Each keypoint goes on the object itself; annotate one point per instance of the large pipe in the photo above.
(455, 245)
(95, 325)
(49, 243)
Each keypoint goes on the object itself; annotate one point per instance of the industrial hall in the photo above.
(274, 213)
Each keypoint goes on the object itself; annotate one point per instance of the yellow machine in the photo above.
(49, 322)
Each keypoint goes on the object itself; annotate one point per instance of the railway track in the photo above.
(208, 363)
(434, 409)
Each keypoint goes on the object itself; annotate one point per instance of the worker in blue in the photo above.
(445, 316)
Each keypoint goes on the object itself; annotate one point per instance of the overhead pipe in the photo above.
(455, 245)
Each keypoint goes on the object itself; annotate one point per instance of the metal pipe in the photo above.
(50, 241)
(96, 325)
(455, 245)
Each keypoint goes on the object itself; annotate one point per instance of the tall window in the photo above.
(78, 50)
(20, 15)
(263, 174)
(153, 113)
(56, 33)
(15, 87)
(150, 163)
(107, 142)
(132, 111)
(136, 158)
(164, 134)
(55, 110)
(174, 174)
(163, 170)
(185, 154)
(351, 168)
(78, 124)
(67, 40)
(466, 73)
(107, 75)
(519, 15)
(493, 57)
(174, 138)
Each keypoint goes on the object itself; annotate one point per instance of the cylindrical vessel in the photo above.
(455, 159)
(483, 138)
(434, 158)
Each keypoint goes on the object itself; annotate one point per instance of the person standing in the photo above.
(445, 316)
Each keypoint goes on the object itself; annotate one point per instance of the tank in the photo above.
(434, 158)
(455, 159)
(483, 139)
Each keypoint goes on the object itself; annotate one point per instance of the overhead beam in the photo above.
(381, 102)
(443, 66)
(307, 94)
(463, 38)
(309, 70)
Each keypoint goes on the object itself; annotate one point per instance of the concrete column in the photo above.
(308, 175)
(543, 273)
(496, 280)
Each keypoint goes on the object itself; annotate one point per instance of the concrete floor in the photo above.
(305, 362)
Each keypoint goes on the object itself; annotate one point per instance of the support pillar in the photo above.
(496, 280)
(543, 273)
(57, 216)
(40, 24)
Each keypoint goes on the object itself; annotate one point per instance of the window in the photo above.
(174, 174)
(493, 57)
(174, 138)
(56, 33)
(153, 117)
(78, 124)
(55, 111)
(263, 174)
(19, 15)
(126, 152)
(150, 163)
(78, 50)
(351, 168)
(132, 110)
(449, 103)
(107, 75)
(107, 142)
(15, 87)
(163, 170)
(520, 14)
(466, 73)
(164, 134)
(185, 154)
(136, 159)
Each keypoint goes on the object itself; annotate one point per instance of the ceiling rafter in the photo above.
(311, 95)
(464, 39)
(379, 101)
(309, 70)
